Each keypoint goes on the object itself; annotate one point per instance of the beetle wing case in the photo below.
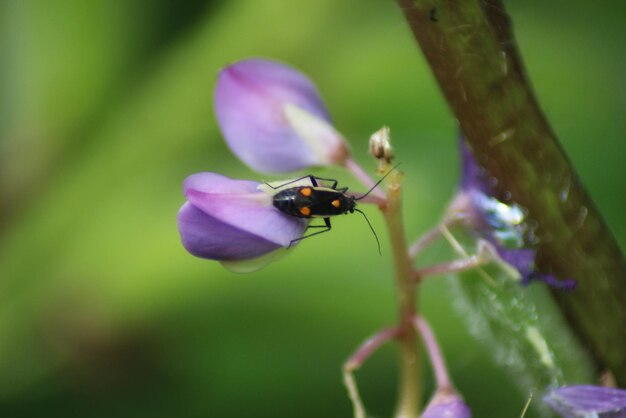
(327, 202)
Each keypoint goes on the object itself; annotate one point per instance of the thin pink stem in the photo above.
(456, 266)
(371, 199)
(434, 352)
(366, 349)
(364, 178)
(429, 237)
(424, 241)
(357, 359)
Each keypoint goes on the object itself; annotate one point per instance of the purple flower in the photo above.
(446, 404)
(587, 401)
(233, 220)
(501, 224)
(273, 118)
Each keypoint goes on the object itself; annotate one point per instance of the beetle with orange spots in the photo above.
(318, 201)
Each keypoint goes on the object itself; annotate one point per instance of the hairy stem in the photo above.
(472, 52)
(409, 396)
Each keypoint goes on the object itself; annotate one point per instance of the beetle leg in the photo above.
(334, 182)
(327, 226)
(313, 182)
(311, 177)
(316, 226)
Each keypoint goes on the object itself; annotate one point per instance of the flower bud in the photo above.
(587, 401)
(447, 404)
(380, 145)
(273, 118)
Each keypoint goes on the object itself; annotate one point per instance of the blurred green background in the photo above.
(106, 106)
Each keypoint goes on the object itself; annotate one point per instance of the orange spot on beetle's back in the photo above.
(306, 191)
(336, 203)
(305, 211)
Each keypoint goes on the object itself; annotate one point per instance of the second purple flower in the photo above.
(273, 118)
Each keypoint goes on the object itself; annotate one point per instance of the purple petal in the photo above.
(522, 259)
(447, 405)
(207, 237)
(587, 401)
(251, 99)
(472, 175)
(553, 281)
(217, 183)
(226, 219)
(239, 203)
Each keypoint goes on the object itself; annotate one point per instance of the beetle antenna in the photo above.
(377, 183)
(371, 227)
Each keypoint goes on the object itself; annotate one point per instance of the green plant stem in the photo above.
(472, 52)
(409, 394)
